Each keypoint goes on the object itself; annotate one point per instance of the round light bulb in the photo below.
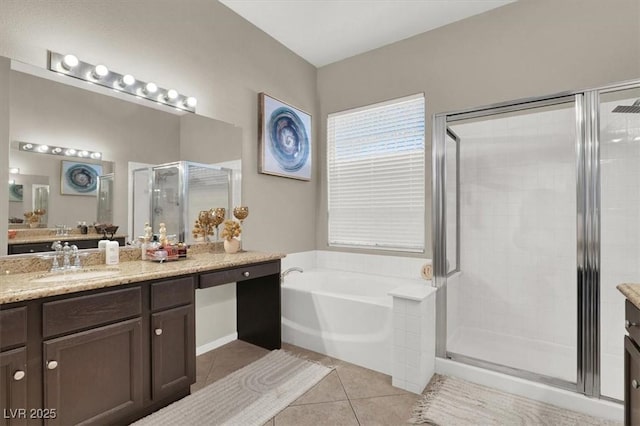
(27, 147)
(83, 154)
(69, 62)
(150, 88)
(43, 148)
(172, 95)
(191, 102)
(127, 80)
(56, 150)
(70, 151)
(96, 155)
(100, 71)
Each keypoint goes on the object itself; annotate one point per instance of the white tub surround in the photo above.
(341, 306)
(414, 336)
(346, 315)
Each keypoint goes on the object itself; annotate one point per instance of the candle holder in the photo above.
(241, 213)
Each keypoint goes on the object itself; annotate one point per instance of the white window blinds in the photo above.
(376, 175)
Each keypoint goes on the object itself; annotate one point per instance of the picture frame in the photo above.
(284, 139)
(77, 178)
(16, 192)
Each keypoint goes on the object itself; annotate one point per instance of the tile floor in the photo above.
(349, 395)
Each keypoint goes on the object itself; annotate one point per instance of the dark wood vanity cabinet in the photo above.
(13, 386)
(99, 357)
(632, 365)
(173, 345)
(13, 366)
(114, 355)
(22, 248)
(94, 376)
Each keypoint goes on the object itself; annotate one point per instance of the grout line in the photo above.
(348, 399)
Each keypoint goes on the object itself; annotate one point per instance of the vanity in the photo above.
(43, 243)
(116, 348)
(631, 353)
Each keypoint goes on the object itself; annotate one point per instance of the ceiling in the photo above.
(326, 31)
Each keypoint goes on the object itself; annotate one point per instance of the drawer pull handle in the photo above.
(246, 274)
(18, 375)
(635, 384)
(51, 365)
(629, 324)
(158, 331)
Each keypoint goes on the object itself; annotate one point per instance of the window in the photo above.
(376, 175)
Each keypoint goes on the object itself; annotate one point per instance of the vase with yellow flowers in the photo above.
(230, 233)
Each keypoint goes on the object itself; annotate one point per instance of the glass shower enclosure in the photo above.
(535, 222)
(174, 194)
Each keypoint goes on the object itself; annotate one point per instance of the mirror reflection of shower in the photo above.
(40, 194)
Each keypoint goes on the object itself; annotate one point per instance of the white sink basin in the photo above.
(83, 274)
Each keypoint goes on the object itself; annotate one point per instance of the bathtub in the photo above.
(346, 315)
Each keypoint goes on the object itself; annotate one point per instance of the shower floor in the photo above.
(536, 356)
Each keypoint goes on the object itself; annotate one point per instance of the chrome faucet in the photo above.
(66, 251)
(57, 246)
(290, 270)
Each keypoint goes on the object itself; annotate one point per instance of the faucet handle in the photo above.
(57, 246)
(76, 256)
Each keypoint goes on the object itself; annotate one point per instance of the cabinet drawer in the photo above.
(29, 248)
(632, 323)
(80, 312)
(172, 293)
(241, 273)
(13, 327)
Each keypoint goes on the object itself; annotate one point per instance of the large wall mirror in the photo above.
(54, 110)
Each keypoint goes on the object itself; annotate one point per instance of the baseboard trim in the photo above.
(216, 343)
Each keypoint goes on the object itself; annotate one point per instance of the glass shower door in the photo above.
(513, 304)
(619, 226)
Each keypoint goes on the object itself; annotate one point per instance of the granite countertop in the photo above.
(52, 237)
(631, 292)
(19, 287)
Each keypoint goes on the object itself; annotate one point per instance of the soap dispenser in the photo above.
(112, 253)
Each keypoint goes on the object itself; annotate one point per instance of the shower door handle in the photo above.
(635, 384)
(629, 324)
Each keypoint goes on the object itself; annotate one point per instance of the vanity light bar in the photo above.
(58, 150)
(126, 83)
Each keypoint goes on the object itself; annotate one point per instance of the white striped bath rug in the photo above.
(452, 401)
(250, 396)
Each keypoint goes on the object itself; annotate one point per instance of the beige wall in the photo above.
(203, 49)
(203, 140)
(528, 48)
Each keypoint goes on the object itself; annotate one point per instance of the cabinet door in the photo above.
(173, 351)
(94, 376)
(13, 387)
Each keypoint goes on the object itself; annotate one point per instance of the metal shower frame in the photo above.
(587, 110)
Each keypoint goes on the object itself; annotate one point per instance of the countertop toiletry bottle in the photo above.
(143, 246)
(84, 229)
(113, 253)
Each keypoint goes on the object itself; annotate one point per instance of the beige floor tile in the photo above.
(310, 355)
(329, 413)
(232, 357)
(204, 363)
(384, 410)
(361, 382)
(327, 390)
